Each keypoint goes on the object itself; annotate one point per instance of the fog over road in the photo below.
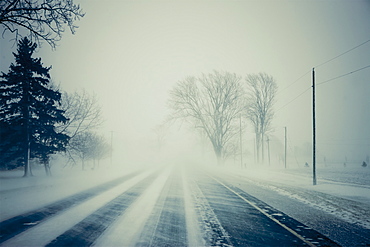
(169, 206)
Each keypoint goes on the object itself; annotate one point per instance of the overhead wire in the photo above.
(293, 99)
(295, 81)
(368, 66)
(342, 54)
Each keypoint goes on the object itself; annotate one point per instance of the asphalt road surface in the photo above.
(170, 206)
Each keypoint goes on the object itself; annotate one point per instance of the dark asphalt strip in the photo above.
(14, 226)
(247, 226)
(327, 223)
(150, 227)
(167, 225)
(87, 231)
(303, 230)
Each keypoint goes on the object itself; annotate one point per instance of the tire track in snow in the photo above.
(88, 230)
(194, 233)
(150, 227)
(18, 224)
(51, 228)
(126, 230)
(167, 226)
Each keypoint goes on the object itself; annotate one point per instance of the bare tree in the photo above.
(212, 103)
(261, 92)
(89, 146)
(43, 19)
(83, 113)
(161, 131)
(99, 149)
(79, 147)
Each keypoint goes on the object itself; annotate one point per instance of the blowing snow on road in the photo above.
(178, 206)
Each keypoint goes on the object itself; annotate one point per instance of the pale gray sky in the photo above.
(131, 53)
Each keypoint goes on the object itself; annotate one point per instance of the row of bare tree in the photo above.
(215, 103)
(84, 115)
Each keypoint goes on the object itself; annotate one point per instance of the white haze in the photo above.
(131, 53)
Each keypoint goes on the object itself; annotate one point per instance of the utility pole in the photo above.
(241, 147)
(285, 148)
(313, 129)
(268, 149)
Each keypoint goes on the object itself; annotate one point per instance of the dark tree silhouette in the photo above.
(160, 131)
(212, 103)
(43, 19)
(10, 143)
(30, 105)
(261, 92)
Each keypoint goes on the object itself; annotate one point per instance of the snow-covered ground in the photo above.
(352, 182)
(337, 206)
(19, 195)
(343, 191)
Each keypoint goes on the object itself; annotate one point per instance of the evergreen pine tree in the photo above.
(29, 109)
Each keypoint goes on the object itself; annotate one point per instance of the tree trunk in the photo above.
(262, 142)
(27, 167)
(83, 164)
(218, 152)
(47, 168)
(220, 160)
(258, 146)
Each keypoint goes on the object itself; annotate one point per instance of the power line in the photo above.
(342, 54)
(350, 139)
(295, 80)
(344, 144)
(291, 85)
(293, 99)
(368, 66)
(326, 80)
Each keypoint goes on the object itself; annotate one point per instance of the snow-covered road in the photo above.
(177, 206)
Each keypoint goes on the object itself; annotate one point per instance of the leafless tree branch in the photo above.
(83, 114)
(43, 19)
(213, 103)
(261, 92)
